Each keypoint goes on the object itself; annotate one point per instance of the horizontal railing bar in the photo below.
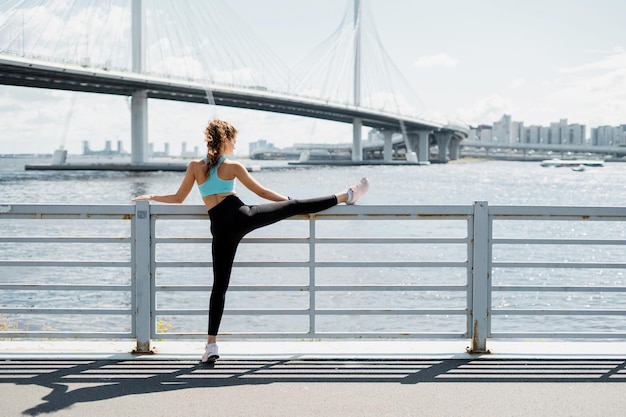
(557, 312)
(67, 335)
(307, 264)
(556, 217)
(318, 240)
(548, 288)
(317, 287)
(64, 287)
(46, 239)
(71, 210)
(564, 335)
(564, 264)
(306, 312)
(51, 311)
(424, 335)
(66, 216)
(316, 335)
(550, 212)
(340, 212)
(66, 264)
(558, 242)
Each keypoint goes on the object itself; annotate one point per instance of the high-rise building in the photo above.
(608, 136)
(502, 130)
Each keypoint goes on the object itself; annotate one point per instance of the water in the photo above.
(462, 182)
(457, 183)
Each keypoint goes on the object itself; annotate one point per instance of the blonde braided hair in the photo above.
(215, 135)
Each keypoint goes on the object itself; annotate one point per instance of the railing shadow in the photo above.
(80, 381)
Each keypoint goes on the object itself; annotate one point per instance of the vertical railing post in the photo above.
(142, 276)
(480, 278)
(312, 295)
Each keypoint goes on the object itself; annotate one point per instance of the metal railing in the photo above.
(143, 272)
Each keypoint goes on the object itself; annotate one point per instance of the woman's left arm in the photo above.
(179, 196)
(253, 185)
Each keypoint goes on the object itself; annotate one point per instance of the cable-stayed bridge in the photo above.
(200, 52)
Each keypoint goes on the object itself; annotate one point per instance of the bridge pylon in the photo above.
(357, 145)
(139, 127)
(139, 99)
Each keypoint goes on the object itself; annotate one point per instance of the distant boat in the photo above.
(578, 168)
(572, 163)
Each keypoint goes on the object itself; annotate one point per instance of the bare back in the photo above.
(200, 173)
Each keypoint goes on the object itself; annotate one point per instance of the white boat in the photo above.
(555, 162)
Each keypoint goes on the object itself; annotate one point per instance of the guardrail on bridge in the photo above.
(477, 271)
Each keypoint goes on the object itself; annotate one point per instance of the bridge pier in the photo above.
(139, 127)
(357, 146)
(455, 146)
(443, 140)
(387, 146)
(423, 146)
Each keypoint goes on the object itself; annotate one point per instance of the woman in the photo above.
(231, 219)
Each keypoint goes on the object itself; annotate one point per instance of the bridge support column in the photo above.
(443, 140)
(139, 100)
(139, 127)
(455, 145)
(423, 146)
(357, 146)
(411, 143)
(387, 146)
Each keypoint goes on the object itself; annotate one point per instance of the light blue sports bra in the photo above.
(214, 184)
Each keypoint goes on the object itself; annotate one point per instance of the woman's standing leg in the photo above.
(223, 251)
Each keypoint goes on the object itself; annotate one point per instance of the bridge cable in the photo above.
(68, 118)
(24, 23)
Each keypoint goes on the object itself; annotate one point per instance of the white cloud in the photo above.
(517, 83)
(486, 110)
(441, 60)
(597, 88)
(614, 59)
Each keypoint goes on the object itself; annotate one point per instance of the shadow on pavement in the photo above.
(77, 381)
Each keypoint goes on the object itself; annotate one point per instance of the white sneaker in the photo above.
(357, 190)
(210, 353)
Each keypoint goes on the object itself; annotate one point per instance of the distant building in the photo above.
(107, 151)
(609, 136)
(483, 133)
(262, 149)
(502, 130)
(159, 154)
(534, 134)
(507, 131)
(576, 134)
(188, 154)
(261, 145)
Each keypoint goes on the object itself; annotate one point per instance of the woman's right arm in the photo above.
(180, 195)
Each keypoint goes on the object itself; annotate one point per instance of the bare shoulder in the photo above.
(196, 164)
(233, 166)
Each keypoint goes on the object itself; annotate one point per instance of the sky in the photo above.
(470, 61)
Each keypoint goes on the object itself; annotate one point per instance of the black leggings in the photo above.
(231, 220)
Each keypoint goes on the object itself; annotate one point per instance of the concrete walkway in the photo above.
(314, 379)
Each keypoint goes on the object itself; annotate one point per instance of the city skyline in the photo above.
(542, 61)
(507, 130)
